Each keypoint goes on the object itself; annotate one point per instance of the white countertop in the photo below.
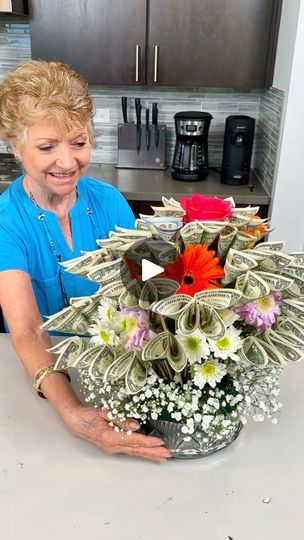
(54, 486)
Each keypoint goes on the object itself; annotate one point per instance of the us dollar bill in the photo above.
(225, 241)
(253, 353)
(239, 220)
(211, 323)
(270, 246)
(173, 306)
(136, 376)
(175, 355)
(286, 348)
(101, 361)
(276, 261)
(112, 290)
(274, 355)
(293, 307)
(242, 240)
(129, 298)
(237, 263)
(192, 233)
(57, 319)
(219, 298)
(295, 270)
(246, 210)
(298, 257)
(297, 286)
(85, 359)
(164, 286)
(101, 270)
(74, 347)
(156, 348)
(276, 282)
(119, 367)
(252, 286)
(189, 319)
(148, 295)
(211, 230)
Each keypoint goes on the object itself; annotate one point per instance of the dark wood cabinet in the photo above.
(184, 43)
(104, 40)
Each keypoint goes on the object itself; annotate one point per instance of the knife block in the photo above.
(132, 155)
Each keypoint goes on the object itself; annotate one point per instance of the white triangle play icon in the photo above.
(149, 270)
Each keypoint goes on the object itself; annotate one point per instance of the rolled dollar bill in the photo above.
(101, 361)
(270, 246)
(276, 282)
(252, 287)
(237, 263)
(175, 354)
(119, 367)
(274, 356)
(253, 352)
(219, 298)
(148, 295)
(136, 376)
(211, 323)
(226, 238)
(74, 347)
(156, 348)
(173, 306)
(276, 261)
(293, 307)
(286, 348)
(192, 233)
(298, 256)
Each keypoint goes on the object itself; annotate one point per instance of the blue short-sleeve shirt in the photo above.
(24, 244)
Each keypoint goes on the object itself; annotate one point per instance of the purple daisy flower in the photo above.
(262, 312)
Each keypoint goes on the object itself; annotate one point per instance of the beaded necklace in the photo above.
(58, 257)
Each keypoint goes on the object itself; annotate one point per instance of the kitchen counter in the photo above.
(54, 486)
(151, 185)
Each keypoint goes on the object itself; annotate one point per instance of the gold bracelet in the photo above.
(43, 374)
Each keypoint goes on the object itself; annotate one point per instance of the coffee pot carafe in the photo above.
(190, 160)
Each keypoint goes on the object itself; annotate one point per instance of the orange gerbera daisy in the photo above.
(201, 270)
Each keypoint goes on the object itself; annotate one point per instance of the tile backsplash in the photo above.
(264, 105)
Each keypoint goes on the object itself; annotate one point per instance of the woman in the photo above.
(48, 215)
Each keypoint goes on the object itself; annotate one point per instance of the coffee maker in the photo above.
(190, 160)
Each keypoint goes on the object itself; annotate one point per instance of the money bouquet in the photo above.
(194, 351)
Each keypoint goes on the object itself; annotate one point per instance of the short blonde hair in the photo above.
(37, 90)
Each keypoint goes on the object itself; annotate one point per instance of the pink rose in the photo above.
(205, 208)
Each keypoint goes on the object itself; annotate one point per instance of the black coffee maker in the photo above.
(190, 160)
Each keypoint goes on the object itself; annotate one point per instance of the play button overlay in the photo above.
(150, 270)
(150, 260)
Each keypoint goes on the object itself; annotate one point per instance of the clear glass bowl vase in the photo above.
(196, 445)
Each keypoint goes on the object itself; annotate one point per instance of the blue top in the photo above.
(24, 244)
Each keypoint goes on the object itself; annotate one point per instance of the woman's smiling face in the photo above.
(54, 159)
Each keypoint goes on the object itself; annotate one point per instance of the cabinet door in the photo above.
(226, 43)
(97, 38)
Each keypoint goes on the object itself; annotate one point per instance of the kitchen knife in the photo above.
(155, 122)
(124, 109)
(148, 132)
(138, 124)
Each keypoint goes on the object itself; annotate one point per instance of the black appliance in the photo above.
(238, 141)
(190, 160)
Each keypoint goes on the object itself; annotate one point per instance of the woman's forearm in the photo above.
(31, 349)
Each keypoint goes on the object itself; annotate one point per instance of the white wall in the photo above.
(287, 213)
(286, 43)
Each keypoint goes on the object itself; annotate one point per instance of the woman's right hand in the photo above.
(94, 426)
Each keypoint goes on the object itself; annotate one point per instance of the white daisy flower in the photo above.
(227, 346)
(103, 335)
(194, 345)
(107, 311)
(210, 372)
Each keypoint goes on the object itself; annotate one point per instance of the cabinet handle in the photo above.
(155, 62)
(137, 63)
